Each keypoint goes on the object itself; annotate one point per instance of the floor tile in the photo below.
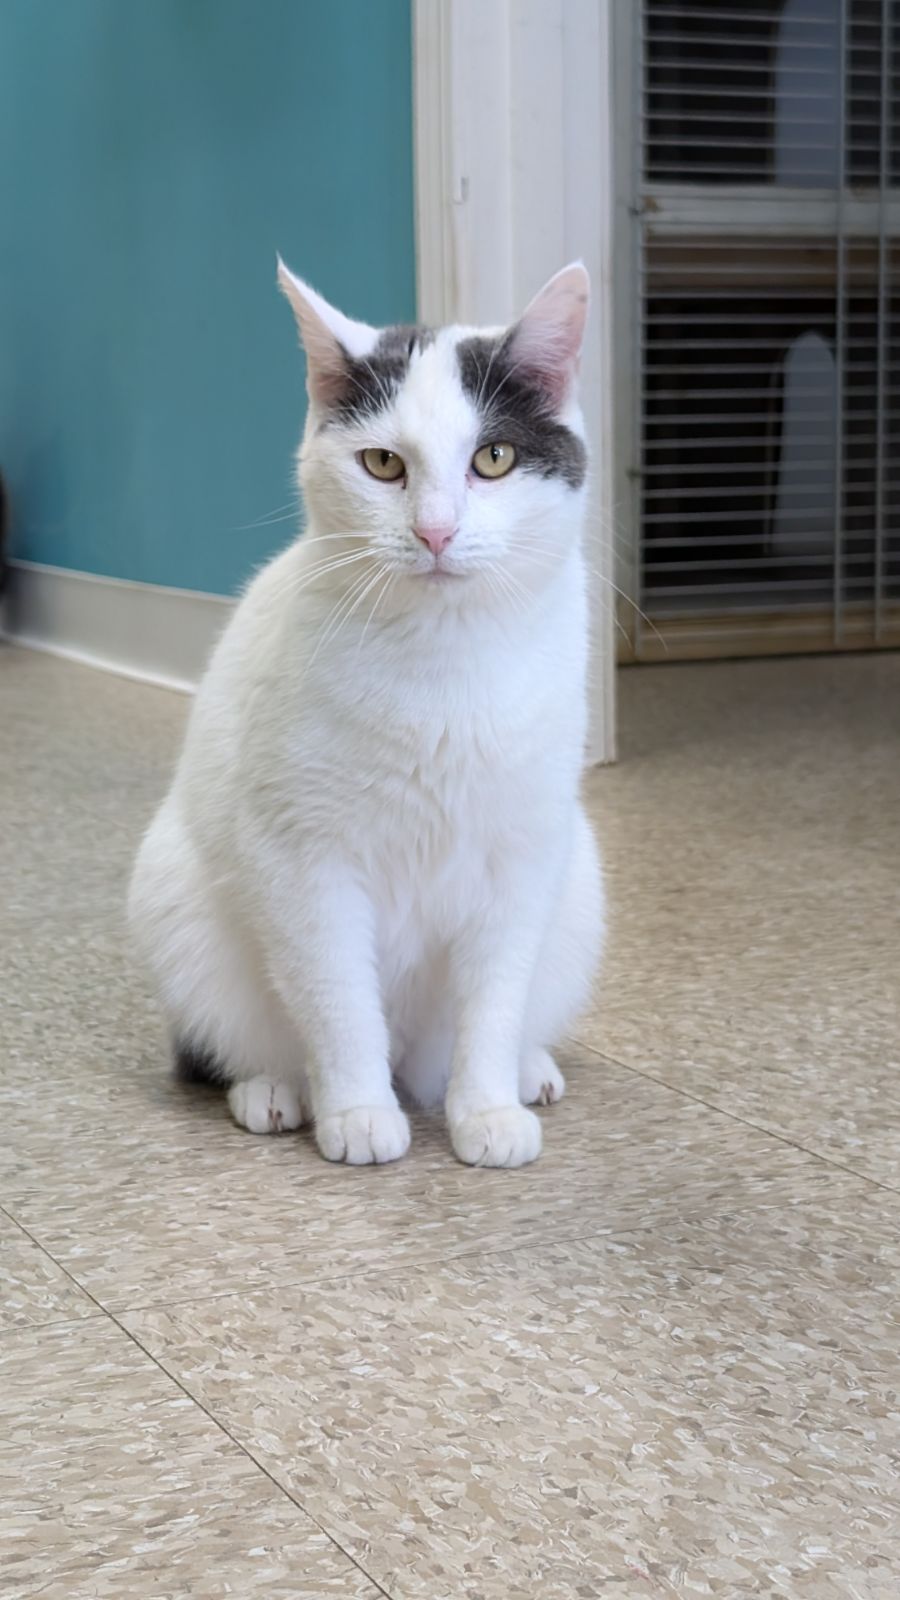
(687, 1411)
(113, 1483)
(33, 1289)
(151, 1195)
(92, 758)
(752, 841)
(662, 1361)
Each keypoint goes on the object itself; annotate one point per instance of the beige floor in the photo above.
(664, 1361)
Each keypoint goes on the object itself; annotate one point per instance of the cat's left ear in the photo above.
(546, 341)
(327, 336)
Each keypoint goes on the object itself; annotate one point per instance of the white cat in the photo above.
(372, 869)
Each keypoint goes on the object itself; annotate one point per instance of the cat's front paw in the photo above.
(364, 1135)
(263, 1106)
(506, 1136)
(540, 1081)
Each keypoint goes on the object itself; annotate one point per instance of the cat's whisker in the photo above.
(517, 366)
(326, 538)
(524, 548)
(370, 408)
(391, 575)
(275, 515)
(340, 612)
(380, 385)
(319, 538)
(615, 530)
(331, 621)
(302, 580)
(519, 588)
(504, 584)
(326, 564)
(360, 596)
(605, 578)
(487, 373)
(536, 552)
(270, 522)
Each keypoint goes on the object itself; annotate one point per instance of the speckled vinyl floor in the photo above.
(664, 1361)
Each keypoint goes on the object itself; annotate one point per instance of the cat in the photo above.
(372, 871)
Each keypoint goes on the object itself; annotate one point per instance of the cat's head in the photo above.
(449, 455)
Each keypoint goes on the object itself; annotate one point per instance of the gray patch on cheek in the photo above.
(516, 411)
(372, 381)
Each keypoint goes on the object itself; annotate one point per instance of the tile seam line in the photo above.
(110, 1316)
(744, 1122)
(17, 1329)
(466, 1257)
(402, 1268)
(276, 1284)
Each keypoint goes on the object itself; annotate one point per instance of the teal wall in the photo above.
(154, 155)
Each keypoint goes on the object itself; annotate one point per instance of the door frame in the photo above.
(514, 177)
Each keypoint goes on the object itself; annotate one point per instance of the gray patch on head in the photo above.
(373, 380)
(516, 411)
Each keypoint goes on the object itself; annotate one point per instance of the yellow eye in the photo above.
(383, 464)
(494, 460)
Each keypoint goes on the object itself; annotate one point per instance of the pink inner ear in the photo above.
(326, 369)
(548, 337)
(326, 358)
(329, 338)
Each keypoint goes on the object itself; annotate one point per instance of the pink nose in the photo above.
(437, 539)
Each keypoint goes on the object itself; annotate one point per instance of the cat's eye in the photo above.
(494, 460)
(383, 464)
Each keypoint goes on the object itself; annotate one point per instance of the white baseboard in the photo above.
(139, 630)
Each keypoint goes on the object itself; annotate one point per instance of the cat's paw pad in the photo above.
(540, 1081)
(261, 1106)
(507, 1136)
(364, 1135)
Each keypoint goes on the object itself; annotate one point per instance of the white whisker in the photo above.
(301, 580)
(378, 599)
(360, 596)
(340, 612)
(283, 513)
(529, 549)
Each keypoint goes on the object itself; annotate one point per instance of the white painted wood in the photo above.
(624, 82)
(590, 226)
(138, 630)
(435, 268)
(514, 177)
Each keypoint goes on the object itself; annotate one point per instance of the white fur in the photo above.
(372, 861)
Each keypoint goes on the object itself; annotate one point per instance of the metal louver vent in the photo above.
(768, 286)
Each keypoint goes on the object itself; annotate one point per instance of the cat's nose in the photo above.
(436, 538)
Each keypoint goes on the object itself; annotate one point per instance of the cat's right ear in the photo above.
(327, 336)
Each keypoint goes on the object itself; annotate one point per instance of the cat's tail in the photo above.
(195, 1065)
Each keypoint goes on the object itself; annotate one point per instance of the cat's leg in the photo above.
(228, 1029)
(493, 959)
(510, 1006)
(320, 948)
(565, 970)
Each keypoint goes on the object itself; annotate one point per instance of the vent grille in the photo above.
(769, 326)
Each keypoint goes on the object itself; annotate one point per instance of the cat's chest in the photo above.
(446, 774)
(438, 754)
(430, 797)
